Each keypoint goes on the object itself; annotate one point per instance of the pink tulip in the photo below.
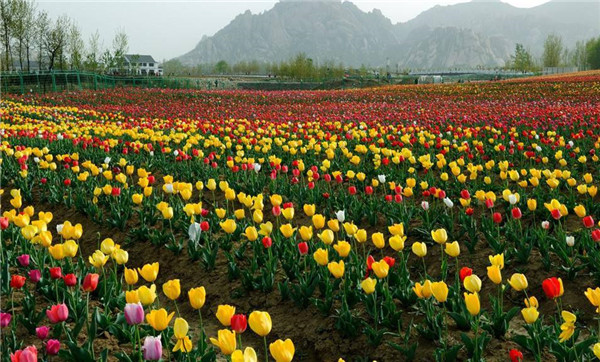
(152, 348)
(35, 275)
(52, 347)
(28, 354)
(5, 319)
(134, 313)
(58, 313)
(23, 259)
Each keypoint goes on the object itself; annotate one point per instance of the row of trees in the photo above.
(299, 67)
(585, 55)
(32, 41)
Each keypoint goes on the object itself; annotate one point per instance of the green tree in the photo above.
(221, 67)
(521, 60)
(593, 53)
(553, 50)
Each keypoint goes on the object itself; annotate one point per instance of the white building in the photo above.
(142, 64)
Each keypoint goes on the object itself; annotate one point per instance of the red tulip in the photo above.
(276, 210)
(489, 203)
(369, 190)
(465, 194)
(67, 182)
(552, 287)
(389, 261)
(90, 282)
(596, 235)
(303, 248)
(497, 217)
(469, 211)
(516, 213)
(58, 313)
(352, 190)
(56, 272)
(3, 223)
(370, 261)
(515, 355)
(465, 272)
(70, 280)
(239, 323)
(17, 281)
(204, 226)
(267, 242)
(116, 191)
(555, 214)
(588, 221)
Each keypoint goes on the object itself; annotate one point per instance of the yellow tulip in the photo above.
(580, 211)
(396, 229)
(334, 225)
(498, 260)
(596, 350)
(326, 236)
(472, 283)
(306, 232)
(260, 323)
(220, 213)
(57, 251)
(121, 256)
(378, 240)
(350, 228)
(228, 226)
(381, 269)
(249, 355)
(132, 296)
(98, 259)
(309, 209)
(452, 249)
(282, 351)
(147, 295)
(251, 233)
(530, 315)
(131, 276)
(287, 230)
(318, 221)
(180, 328)
(518, 282)
(531, 302)
(239, 214)
(70, 248)
(172, 289)
(107, 246)
(472, 302)
(149, 272)
(424, 290)
(266, 229)
(159, 319)
(343, 248)
(361, 235)
(440, 236)
(197, 297)
(257, 216)
(532, 204)
(419, 249)
(224, 314)
(288, 213)
(593, 295)
(336, 268)
(276, 200)
(397, 242)
(494, 274)
(368, 285)
(440, 291)
(321, 256)
(225, 341)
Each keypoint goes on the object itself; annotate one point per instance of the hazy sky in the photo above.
(169, 28)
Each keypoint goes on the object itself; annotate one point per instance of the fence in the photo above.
(62, 81)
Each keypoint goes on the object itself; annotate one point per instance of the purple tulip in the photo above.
(23, 259)
(35, 275)
(5, 319)
(42, 332)
(134, 313)
(152, 348)
(52, 347)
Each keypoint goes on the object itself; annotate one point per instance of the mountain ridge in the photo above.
(476, 33)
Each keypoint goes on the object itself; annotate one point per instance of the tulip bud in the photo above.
(42, 332)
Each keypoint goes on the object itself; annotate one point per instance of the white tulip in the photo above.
(512, 199)
(107, 160)
(448, 203)
(194, 232)
(169, 188)
(546, 225)
(59, 228)
(570, 240)
(341, 215)
(425, 205)
(381, 178)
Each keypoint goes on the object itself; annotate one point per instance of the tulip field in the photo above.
(418, 223)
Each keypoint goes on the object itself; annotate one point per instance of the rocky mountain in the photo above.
(480, 32)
